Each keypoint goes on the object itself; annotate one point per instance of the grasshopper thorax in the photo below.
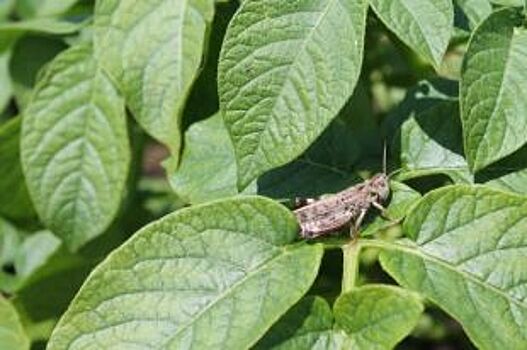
(379, 187)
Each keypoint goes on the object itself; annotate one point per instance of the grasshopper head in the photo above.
(380, 187)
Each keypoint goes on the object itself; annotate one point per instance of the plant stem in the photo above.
(350, 270)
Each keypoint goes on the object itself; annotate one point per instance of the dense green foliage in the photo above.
(150, 152)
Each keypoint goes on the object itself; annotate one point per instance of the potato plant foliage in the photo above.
(151, 152)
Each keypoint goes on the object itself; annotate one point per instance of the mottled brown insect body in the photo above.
(344, 208)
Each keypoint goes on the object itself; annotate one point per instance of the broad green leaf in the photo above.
(307, 325)
(423, 25)
(330, 163)
(424, 95)
(15, 203)
(509, 174)
(431, 143)
(43, 8)
(402, 200)
(377, 317)
(467, 256)
(208, 168)
(153, 48)
(75, 147)
(474, 10)
(40, 25)
(30, 54)
(493, 93)
(46, 296)
(203, 99)
(508, 2)
(429, 107)
(12, 335)
(25, 254)
(279, 87)
(212, 276)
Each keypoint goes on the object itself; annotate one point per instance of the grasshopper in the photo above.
(344, 208)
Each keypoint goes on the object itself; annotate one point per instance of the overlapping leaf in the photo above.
(75, 147)
(43, 8)
(212, 276)
(474, 10)
(330, 164)
(508, 174)
(22, 255)
(368, 317)
(377, 317)
(424, 25)
(431, 143)
(30, 54)
(402, 200)
(307, 325)
(39, 25)
(12, 335)
(208, 167)
(468, 257)
(279, 87)
(153, 49)
(494, 89)
(15, 203)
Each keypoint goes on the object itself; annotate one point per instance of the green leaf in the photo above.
(25, 254)
(153, 49)
(475, 11)
(424, 25)
(40, 25)
(425, 132)
(494, 89)
(467, 256)
(307, 325)
(330, 164)
(508, 2)
(509, 174)
(46, 296)
(30, 54)
(208, 151)
(17, 205)
(213, 276)
(403, 199)
(12, 334)
(424, 95)
(75, 152)
(279, 87)
(377, 316)
(431, 143)
(43, 8)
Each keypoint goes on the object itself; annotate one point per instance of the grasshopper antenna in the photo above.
(384, 158)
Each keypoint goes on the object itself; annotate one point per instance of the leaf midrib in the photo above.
(324, 12)
(497, 103)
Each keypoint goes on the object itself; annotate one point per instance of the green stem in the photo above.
(350, 268)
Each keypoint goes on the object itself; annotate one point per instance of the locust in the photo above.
(345, 208)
